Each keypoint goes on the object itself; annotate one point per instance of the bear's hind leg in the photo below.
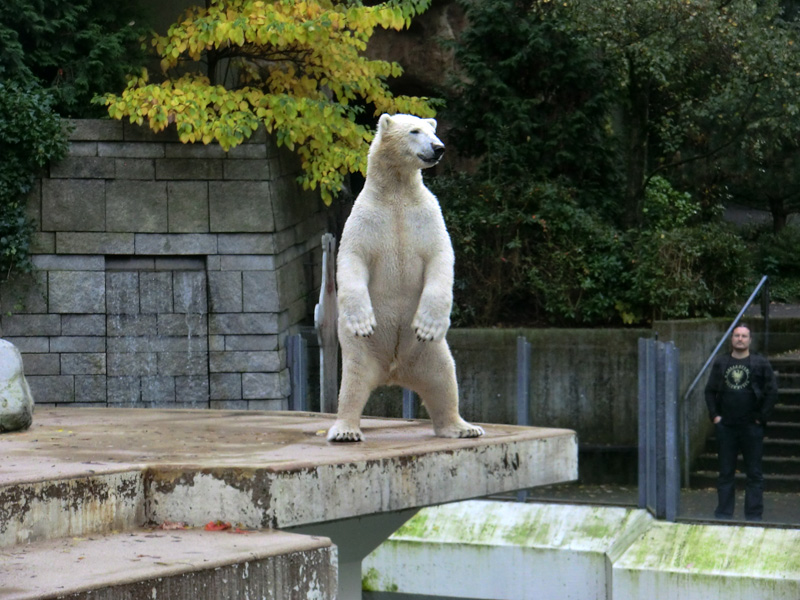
(433, 377)
(358, 381)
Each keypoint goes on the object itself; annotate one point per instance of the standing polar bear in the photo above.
(395, 280)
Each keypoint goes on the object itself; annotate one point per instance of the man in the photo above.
(740, 395)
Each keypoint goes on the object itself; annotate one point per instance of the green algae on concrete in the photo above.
(710, 561)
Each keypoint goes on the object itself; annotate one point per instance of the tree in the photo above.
(695, 78)
(74, 48)
(295, 67)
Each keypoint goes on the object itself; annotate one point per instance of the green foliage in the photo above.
(76, 48)
(31, 135)
(298, 68)
(531, 99)
(665, 207)
(777, 257)
(686, 271)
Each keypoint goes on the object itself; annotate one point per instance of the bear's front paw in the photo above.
(342, 432)
(460, 429)
(361, 323)
(429, 328)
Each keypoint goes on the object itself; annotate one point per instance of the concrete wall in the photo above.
(516, 551)
(167, 274)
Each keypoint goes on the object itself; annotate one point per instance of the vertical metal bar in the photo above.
(765, 301)
(672, 473)
(325, 316)
(409, 408)
(661, 431)
(523, 380)
(297, 359)
(644, 383)
(650, 423)
(523, 394)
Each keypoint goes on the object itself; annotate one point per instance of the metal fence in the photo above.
(659, 435)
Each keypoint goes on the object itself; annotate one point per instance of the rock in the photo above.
(16, 402)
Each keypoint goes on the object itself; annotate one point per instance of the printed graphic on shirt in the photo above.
(737, 377)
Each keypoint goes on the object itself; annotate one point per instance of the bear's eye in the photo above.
(415, 131)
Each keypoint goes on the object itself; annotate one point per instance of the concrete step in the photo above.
(774, 465)
(785, 413)
(789, 396)
(785, 364)
(772, 447)
(772, 483)
(171, 565)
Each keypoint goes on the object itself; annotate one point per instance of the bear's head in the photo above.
(408, 140)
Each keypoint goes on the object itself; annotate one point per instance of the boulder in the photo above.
(16, 402)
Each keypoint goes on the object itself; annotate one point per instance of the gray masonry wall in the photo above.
(167, 274)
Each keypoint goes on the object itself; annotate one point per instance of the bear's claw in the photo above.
(429, 329)
(339, 433)
(461, 430)
(361, 325)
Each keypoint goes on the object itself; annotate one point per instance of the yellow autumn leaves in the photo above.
(297, 68)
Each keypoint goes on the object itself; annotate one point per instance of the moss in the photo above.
(370, 582)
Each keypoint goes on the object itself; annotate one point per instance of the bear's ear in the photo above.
(431, 122)
(384, 122)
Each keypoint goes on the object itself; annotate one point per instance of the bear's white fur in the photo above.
(395, 280)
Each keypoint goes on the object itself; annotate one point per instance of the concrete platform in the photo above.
(173, 565)
(84, 471)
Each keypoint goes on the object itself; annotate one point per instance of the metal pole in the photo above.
(409, 409)
(523, 394)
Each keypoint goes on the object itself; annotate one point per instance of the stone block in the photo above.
(24, 294)
(294, 281)
(187, 206)
(94, 129)
(76, 292)
(16, 401)
(54, 389)
(152, 343)
(274, 404)
(90, 389)
(180, 263)
(83, 149)
(84, 344)
(247, 262)
(94, 243)
(216, 343)
(260, 291)
(251, 151)
(83, 364)
(158, 390)
(127, 364)
(291, 204)
(188, 168)
(71, 262)
(192, 390)
(41, 364)
(240, 207)
(30, 344)
(244, 362)
(261, 386)
(225, 386)
(155, 292)
(249, 342)
(130, 263)
(73, 205)
(130, 150)
(123, 390)
(135, 168)
(246, 243)
(194, 151)
(131, 325)
(83, 167)
(152, 243)
(189, 292)
(225, 291)
(43, 242)
(83, 325)
(142, 133)
(242, 323)
(229, 404)
(182, 363)
(189, 324)
(246, 170)
(137, 206)
(122, 293)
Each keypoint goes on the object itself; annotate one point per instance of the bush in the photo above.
(777, 257)
(31, 135)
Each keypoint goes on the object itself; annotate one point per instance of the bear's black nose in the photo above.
(438, 150)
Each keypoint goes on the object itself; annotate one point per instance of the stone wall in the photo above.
(167, 274)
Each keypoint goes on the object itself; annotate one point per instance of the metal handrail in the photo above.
(765, 311)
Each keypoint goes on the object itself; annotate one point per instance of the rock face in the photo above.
(16, 402)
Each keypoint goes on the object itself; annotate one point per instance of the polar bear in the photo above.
(395, 284)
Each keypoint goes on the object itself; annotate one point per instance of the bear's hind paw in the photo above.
(341, 433)
(462, 430)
